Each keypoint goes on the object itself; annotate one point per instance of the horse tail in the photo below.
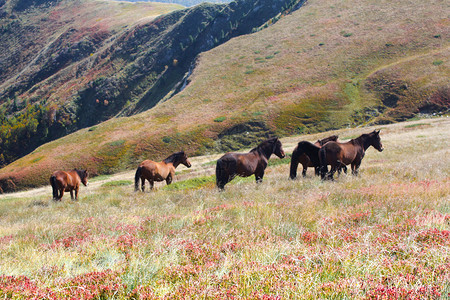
(220, 174)
(294, 163)
(54, 185)
(137, 177)
(323, 162)
(225, 171)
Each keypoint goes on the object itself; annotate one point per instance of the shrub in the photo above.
(220, 119)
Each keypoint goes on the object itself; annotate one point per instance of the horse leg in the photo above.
(151, 182)
(331, 174)
(342, 167)
(259, 176)
(61, 193)
(294, 165)
(317, 171)
(143, 184)
(333, 170)
(305, 167)
(355, 169)
(71, 194)
(323, 163)
(169, 179)
(225, 172)
(76, 194)
(339, 167)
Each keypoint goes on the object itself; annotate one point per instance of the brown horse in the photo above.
(307, 154)
(63, 181)
(159, 171)
(246, 164)
(351, 152)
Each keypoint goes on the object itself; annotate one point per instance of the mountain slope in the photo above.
(327, 65)
(95, 67)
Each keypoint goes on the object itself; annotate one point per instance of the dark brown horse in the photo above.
(62, 181)
(351, 152)
(307, 154)
(159, 171)
(246, 164)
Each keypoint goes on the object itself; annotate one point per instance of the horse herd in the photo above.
(318, 155)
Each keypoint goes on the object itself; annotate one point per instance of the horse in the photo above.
(231, 165)
(351, 152)
(159, 171)
(69, 181)
(307, 154)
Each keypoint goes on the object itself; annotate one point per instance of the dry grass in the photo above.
(384, 234)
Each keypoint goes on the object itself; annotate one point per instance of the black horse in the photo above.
(245, 164)
(307, 154)
(311, 151)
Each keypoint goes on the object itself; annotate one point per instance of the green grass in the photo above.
(280, 161)
(117, 183)
(193, 183)
(220, 119)
(417, 124)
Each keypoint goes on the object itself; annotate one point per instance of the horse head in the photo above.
(84, 177)
(83, 174)
(184, 159)
(376, 140)
(278, 149)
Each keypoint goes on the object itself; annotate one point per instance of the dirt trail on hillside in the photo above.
(201, 166)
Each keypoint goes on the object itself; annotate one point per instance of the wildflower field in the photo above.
(382, 235)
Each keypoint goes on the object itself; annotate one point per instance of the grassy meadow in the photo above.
(382, 235)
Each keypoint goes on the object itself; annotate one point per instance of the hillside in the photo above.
(47, 50)
(327, 65)
(381, 235)
(103, 64)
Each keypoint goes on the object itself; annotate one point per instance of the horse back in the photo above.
(248, 163)
(157, 171)
(344, 152)
(67, 179)
(244, 164)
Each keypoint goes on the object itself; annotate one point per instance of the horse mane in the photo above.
(305, 147)
(264, 143)
(364, 139)
(81, 173)
(327, 139)
(174, 157)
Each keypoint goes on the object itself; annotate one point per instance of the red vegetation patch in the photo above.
(95, 285)
(12, 287)
(384, 292)
(434, 236)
